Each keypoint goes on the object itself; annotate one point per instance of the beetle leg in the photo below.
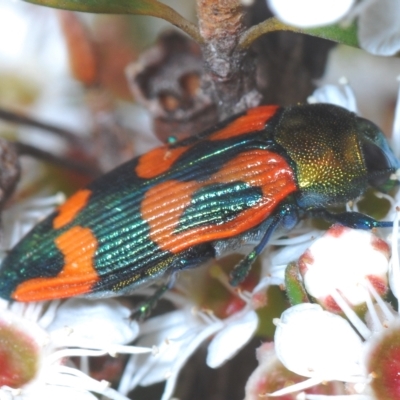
(287, 215)
(354, 220)
(192, 257)
(144, 308)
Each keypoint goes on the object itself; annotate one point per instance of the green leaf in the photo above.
(138, 7)
(337, 33)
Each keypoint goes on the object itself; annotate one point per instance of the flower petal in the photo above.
(315, 343)
(309, 13)
(177, 335)
(342, 259)
(51, 392)
(341, 96)
(101, 321)
(379, 27)
(232, 338)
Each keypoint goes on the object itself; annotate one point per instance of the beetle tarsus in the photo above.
(355, 220)
(241, 270)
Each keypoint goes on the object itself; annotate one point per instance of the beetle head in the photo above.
(381, 163)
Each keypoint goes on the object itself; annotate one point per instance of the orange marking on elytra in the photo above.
(78, 246)
(254, 120)
(70, 209)
(164, 204)
(161, 159)
(158, 161)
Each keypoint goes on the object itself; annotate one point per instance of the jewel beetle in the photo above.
(187, 202)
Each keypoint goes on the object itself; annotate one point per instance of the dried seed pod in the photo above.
(167, 80)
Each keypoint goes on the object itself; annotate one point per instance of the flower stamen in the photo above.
(351, 314)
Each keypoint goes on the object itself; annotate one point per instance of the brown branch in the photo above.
(29, 150)
(267, 26)
(20, 119)
(229, 77)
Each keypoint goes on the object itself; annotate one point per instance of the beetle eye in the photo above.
(378, 166)
(379, 159)
(369, 129)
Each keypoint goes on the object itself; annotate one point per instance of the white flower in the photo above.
(379, 27)
(316, 343)
(341, 263)
(178, 335)
(289, 249)
(21, 217)
(310, 13)
(271, 375)
(37, 339)
(378, 20)
(322, 346)
(396, 125)
(381, 358)
(341, 95)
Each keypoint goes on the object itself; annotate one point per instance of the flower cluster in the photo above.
(351, 336)
(38, 342)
